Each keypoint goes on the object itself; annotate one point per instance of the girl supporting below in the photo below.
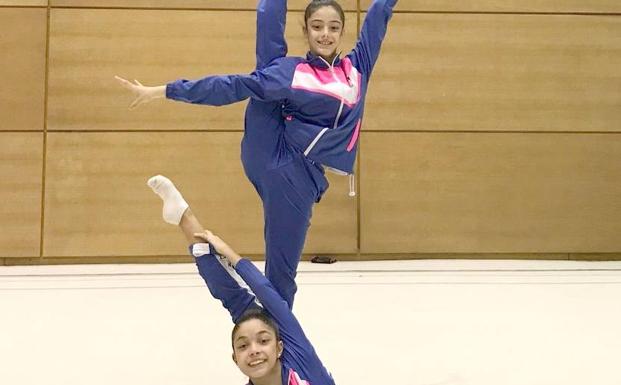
(322, 103)
(269, 345)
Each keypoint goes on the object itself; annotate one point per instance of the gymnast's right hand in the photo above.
(221, 247)
(143, 94)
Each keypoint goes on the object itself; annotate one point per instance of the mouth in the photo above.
(324, 43)
(255, 363)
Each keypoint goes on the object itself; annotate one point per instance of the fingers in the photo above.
(124, 82)
(138, 101)
(127, 83)
(206, 235)
(143, 93)
(132, 87)
(201, 236)
(209, 237)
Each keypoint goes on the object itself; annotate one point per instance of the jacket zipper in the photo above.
(338, 115)
(352, 182)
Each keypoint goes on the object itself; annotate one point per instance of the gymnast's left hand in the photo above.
(143, 94)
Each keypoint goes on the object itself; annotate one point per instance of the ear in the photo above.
(281, 347)
(233, 357)
(305, 31)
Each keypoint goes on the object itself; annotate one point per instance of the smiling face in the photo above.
(324, 29)
(256, 349)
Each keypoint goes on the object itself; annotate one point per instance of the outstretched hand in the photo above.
(143, 94)
(221, 247)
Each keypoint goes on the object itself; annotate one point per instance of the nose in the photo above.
(254, 349)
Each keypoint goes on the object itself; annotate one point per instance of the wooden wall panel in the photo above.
(20, 3)
(88, 47)
(177, 4)
(490, 193)
(557, 6)
(20, 194)
(97, 202)
(334, 227)
(498, 73)
(468, 95)
(22, 68)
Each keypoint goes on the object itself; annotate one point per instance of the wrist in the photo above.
(158, 92)
(233, 257)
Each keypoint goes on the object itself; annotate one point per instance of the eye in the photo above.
(241, 346)
(265, 340)
(335, 29)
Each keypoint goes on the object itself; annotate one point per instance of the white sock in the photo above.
(174, 204)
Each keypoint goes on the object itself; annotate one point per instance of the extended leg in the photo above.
(221, 279)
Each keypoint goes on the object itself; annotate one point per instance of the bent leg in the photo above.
(263, 139)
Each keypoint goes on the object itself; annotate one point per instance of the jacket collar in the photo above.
(319, 62)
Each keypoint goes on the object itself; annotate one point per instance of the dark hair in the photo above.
(316, 4)
(259, 314)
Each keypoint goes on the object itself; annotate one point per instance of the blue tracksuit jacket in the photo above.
(303, 114)
(323, 102)
(300, 363)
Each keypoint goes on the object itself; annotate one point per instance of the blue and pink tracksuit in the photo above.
(300, 363)
(304, 115)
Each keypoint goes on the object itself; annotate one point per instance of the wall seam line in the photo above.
(45, 113)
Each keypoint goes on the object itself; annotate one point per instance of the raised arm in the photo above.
(367, 49)
(261, 286)
(297, 346)
(271, 19)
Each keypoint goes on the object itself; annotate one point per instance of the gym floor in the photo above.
(429, 322)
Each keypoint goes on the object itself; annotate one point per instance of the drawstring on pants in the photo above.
(352, 185)
(352, 178)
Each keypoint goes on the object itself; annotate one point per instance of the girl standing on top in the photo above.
(320, 100)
